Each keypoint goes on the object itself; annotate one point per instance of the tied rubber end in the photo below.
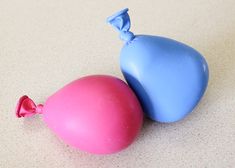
(27, 108)
(122, 23)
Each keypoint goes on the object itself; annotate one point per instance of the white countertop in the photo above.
(46, 44)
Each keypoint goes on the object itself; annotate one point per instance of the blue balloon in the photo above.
(168, 77)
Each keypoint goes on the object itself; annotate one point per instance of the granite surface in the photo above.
(48, 43)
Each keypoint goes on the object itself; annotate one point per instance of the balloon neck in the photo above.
(27, 108)
(127, 36)
(121, 22)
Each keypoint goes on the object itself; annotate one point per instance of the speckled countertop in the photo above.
(46, 44)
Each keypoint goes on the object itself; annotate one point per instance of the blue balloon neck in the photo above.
(121, 22)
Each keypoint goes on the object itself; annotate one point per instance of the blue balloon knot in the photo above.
(126, 36)
(121, 22)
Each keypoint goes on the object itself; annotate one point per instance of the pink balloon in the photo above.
(99, 114)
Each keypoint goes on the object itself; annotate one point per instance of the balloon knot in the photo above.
(127, 36)
(26, 107)
(121, 22)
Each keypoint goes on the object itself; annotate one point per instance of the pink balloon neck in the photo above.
(26, 107)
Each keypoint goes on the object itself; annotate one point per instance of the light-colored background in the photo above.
(45, 44)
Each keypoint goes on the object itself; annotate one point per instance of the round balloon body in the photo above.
(99, 114)
(168, 77)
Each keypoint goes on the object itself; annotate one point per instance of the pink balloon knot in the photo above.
(26, 107)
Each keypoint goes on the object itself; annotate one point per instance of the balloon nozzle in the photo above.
(121, 22)
(26, 107)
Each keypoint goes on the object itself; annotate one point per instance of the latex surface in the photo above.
(98, 114)
(168, 77)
